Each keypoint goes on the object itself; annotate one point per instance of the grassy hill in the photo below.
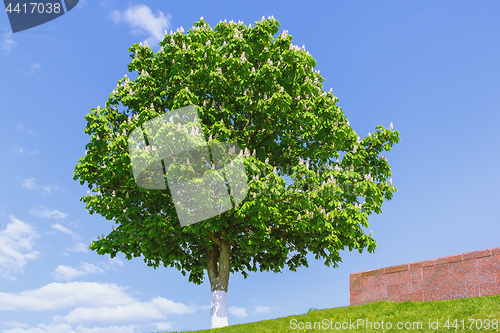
(480, 314)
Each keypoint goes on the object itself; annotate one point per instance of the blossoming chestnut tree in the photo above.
(262, 93)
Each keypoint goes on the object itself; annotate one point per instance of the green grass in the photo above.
(482, 308)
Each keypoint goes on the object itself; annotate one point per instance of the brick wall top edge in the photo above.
(435, 261)
(369, 272)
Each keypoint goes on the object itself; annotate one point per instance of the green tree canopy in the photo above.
(262, 93)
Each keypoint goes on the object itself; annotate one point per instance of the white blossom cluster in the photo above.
(324, 93)
(264, 18)
(151, 148)
(237, 34)
(383, 158)
(368, 177)
(390, 127)
(243, 57)
(194, 131)
(246, 153)
(284, 34)
(330, 180)
(125, 84)
(357, 206)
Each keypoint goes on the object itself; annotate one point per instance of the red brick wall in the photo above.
(465, 275)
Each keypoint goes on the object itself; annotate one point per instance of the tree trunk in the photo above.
(218, 268)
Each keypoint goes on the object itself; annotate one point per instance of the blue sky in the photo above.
(429, 67)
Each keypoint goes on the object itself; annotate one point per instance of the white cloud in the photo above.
(162, 326)
(45, 213)
(62, 295)
(141, 19)
(238, 312)
(30, 183)
(21, 127)
(90, 302)
(81, 3)
(205, 307)
(15, 323)
(105, 3)
(8, 42)
(65, 328)
(16, 244)
(48, 188)
(129, 313)
(75, 224)
(33, 67)
(62, 229)
(63, 272)
(21, 150)
(171, 307)
(115, 261)
(79, 247)
(262, 309)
